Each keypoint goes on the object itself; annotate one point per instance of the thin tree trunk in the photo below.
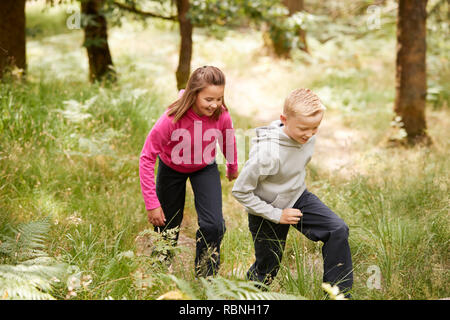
(96, 41)
(184, 63)
(411, 80)
(12, 35)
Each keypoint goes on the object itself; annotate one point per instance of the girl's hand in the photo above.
(290, 216)
(156, 217)
(232, 176)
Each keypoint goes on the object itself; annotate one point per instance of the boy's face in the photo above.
(301, 128)
(208, 100)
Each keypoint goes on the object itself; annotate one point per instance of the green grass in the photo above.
(43, 21)
(69, 150)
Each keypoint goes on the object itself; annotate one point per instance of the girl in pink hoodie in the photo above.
(184, 139)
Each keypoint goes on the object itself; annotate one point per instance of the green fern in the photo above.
(27, 242)
(219, 288)
(27, 272)
(185, 287)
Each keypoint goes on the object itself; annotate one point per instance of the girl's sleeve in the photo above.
(228, 147)
(156, 139)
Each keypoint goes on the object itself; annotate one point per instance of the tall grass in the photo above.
(398, 217)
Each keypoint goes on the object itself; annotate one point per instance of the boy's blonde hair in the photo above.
(302, 102)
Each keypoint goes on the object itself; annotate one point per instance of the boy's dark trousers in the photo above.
(318, 223)
(171, 192)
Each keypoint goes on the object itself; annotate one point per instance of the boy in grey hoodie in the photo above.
(271, 186)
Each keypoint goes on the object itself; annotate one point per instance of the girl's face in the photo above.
(208, 100)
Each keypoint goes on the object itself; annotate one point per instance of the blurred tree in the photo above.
(95, 35)
(295, 6)
(12, 35)
(185, 28)
(96, 41)
(184, 62)
(217, 16)
(283, 24)
(411, 79)
(212, 14)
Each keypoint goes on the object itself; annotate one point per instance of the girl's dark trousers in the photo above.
(171, 192)
(318, 223)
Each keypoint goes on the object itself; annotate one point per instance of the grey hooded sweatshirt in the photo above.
(273, 178)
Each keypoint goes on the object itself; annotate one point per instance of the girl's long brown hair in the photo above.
(199, 79)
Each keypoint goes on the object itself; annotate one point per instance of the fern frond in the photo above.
(32, 271)
(21, 290)
(184, 286)
(220, 288)
(28, 241)
(28, 281)
(23, 271)
(269, 296)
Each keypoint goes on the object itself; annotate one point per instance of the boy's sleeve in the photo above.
(228, 146)
(255, 170)
(158, 137)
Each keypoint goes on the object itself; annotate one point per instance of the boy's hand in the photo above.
(156, 217)
(290, 216)
(232, 176)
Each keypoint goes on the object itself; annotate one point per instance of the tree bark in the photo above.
(411, 78)
(184, 63)
(12, 35)
(96, 41)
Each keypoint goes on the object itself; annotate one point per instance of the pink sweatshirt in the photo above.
(185, 146)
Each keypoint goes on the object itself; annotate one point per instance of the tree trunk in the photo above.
(96, 41)
(184, 63)
(12, 35)
(293, 7)
(411, 79)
